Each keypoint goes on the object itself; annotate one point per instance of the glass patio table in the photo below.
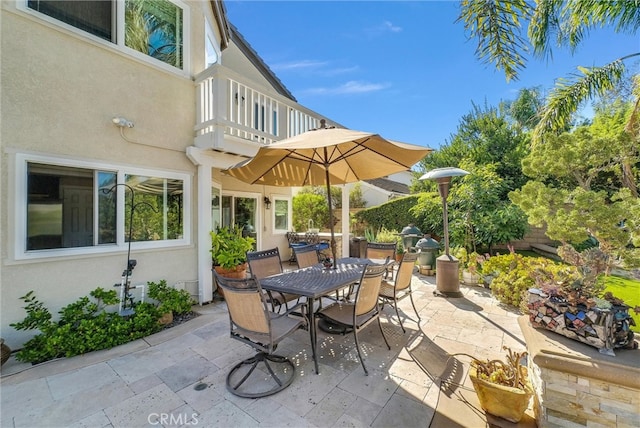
(316, 281)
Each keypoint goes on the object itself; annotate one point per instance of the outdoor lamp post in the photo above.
(447, 266)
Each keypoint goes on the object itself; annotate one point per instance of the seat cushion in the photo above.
(342, 313)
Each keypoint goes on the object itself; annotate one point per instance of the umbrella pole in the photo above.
(333, 239)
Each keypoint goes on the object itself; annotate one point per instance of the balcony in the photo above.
(237, 115)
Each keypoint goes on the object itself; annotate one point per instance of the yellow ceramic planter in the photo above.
(499, 400)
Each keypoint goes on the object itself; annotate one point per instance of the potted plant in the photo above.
(503, 387)
(469, 264)
(229, 251)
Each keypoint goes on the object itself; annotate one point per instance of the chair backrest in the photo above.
(306, 255)
(405, 271)
(311, 238)
(264, 263)
(381, 250)
(292, 238)
(246, 303)
(368, 289)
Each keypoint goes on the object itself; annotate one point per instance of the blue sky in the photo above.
(404, 70)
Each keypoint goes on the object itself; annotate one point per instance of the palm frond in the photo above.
(570, 93)
(544, 23)
(622, 15)
(496, 24)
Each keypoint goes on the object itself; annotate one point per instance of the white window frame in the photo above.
(119, 31)
(20, 208)
(259, 210)
(210, 35)
(275, 198)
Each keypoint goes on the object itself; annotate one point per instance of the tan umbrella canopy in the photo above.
(327, 156)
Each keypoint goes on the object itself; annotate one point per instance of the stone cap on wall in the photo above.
(554, 351)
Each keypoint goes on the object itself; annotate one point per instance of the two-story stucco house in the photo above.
(114, 104)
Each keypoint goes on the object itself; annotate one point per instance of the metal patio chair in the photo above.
(252, 323)
(364, 310)
(382, 250)
(400, 287)
(266, 263)
(306, 255)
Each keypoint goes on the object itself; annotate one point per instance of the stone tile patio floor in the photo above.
(177, 377)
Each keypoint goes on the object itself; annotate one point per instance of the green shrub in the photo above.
(394, 214)
(513, 276)
(386, 235)
(85, 325)
(170, 299)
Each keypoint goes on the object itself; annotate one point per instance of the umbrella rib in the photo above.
(262, 174)
(360, 147)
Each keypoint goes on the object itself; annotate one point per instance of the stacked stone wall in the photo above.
(583, 401)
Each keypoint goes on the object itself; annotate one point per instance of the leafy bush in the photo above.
(386, 235)
(308, 206)
(513, 276)
(170, 299)
(85, 325)
(394, 214)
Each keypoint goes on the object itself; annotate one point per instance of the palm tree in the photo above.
(498, 27)
(155, 28)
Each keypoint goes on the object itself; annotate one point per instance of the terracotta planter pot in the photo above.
(239, 271)
(499, 400)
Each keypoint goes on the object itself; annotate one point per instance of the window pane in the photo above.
(227, 214)
(157, 208)
(59, 207)
(94, 16)
(155, 29)
(107, 208)
(245, 215)
(210, 50)
(281, 213)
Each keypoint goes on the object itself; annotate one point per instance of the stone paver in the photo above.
(177, 378)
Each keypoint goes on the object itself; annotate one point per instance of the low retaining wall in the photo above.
(578, 386)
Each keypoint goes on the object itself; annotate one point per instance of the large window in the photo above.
(83, 206)
(241, 212)
(156, 28)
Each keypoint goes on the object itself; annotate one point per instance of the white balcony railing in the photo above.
(230, 105)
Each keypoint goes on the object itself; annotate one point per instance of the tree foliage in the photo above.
(581, 186)
(498, 26)
(310, 206)
(484, 136)
(490, 145)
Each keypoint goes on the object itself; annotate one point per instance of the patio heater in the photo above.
(447, 266)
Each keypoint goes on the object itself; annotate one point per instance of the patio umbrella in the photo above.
(327, 156)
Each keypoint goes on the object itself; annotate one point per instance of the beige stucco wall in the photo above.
(59, 94)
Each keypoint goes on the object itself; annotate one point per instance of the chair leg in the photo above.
(355, 334)
(414, 305)
(383, 335)
(395, 305)
(253, 362)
